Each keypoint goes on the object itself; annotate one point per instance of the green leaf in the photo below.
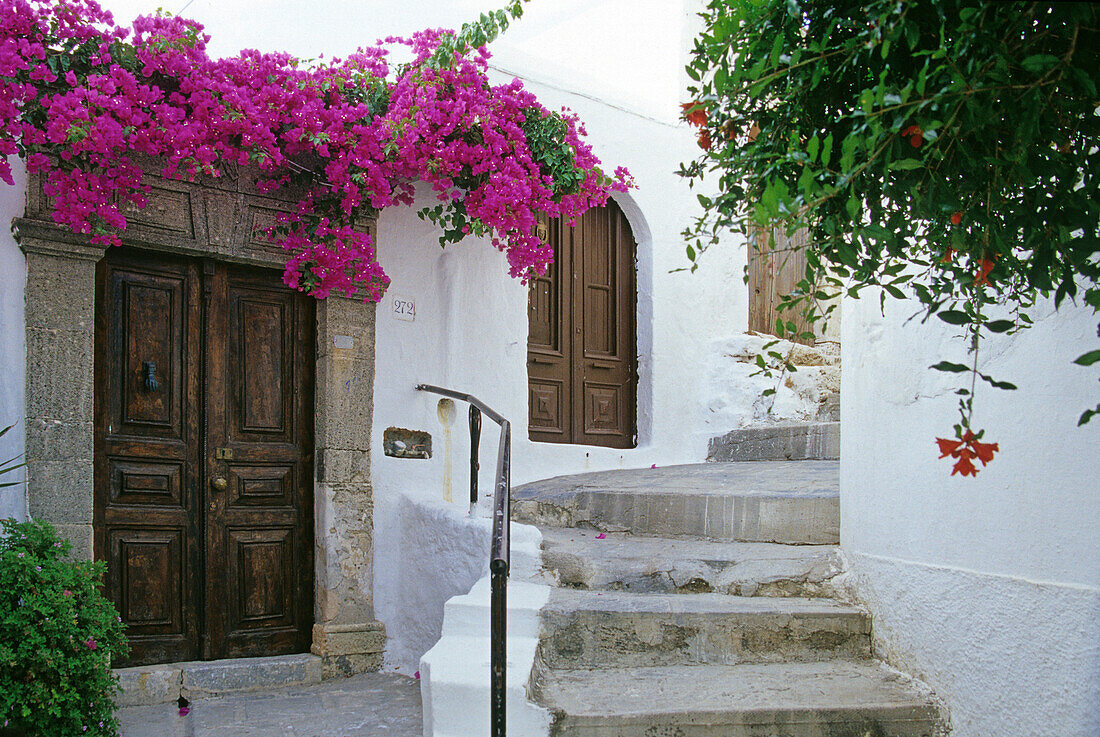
(906, 164)
(954, 317)
(999, 326)
(827, 150)
(1039, 62)
(955, 368)
(1088, 359)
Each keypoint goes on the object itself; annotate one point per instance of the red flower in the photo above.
(964, 450)
(956, 218)
(916, 135)
(948, 253)
(697, 117)
(704, 139)
(983, 271)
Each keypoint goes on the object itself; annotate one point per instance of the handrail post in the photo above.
(500, 554)
(475, 465)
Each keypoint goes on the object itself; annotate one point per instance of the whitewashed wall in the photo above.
(13, 502)
(987, 588)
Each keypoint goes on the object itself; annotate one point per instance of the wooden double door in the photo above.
(203, 457)
(581, 364)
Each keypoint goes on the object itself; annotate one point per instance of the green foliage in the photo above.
(57, 637)
(11, 464)
(478, 33)
(946, 149)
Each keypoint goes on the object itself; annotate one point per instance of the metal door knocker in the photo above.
(150, 370)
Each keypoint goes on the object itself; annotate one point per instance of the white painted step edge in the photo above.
(454, 674)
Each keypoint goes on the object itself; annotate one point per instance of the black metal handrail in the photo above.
(499, 548)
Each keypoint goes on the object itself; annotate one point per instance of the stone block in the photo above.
(59, 381)
(335, 466)
(149, 684)
(780, 442)
(54, 440)
(344, 666)
(348, 639)
(60, 291)
(60, 492)
(344, 401)
(249, 674)
(81, 536)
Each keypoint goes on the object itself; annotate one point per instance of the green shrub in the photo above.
(57, 637)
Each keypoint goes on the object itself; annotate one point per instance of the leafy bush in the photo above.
(57, 637)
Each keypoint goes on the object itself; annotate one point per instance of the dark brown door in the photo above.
(581, 363)
(203, 450)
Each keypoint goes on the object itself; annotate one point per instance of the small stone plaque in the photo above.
(343, 342)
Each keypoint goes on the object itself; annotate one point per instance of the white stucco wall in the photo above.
(13, 274)
(986, 588)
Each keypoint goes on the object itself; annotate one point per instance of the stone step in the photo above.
(786, 441)
(160, 684)
(577, 558)
(833, 699)
(615, 629)
(782, 502)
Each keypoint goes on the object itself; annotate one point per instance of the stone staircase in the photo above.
(693, 601)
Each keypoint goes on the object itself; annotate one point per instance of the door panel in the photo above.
(147, 440)
(260, 526)
(581, 357)
(207, 376)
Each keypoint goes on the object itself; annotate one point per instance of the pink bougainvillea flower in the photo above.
(90, 643)
(185, 710)
(653, 465)
(601, 536)
(416, 675)
(964, 450)
(369, 131)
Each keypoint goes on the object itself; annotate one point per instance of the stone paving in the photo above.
(367, 705)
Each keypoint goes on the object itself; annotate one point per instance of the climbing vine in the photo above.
(82, 99)
(947, 151)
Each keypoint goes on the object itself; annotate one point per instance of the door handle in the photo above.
(542, 361)
(219, 484)
(602, 365)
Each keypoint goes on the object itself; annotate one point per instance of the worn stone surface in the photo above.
(349, 649)
(149, 684)
(588, 629)
(368, 705)
(779, 442)
(749, 502)
(576, 558)
(680, 634)
(836, 699)
(59, 394)
(248, 674)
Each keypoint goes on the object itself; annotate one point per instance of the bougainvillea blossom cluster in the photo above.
(84, 100)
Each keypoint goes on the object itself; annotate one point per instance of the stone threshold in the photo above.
(159, 684)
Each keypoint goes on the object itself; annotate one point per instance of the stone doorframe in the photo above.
(213, 218)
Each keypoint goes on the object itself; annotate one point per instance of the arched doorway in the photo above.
(581, 355)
